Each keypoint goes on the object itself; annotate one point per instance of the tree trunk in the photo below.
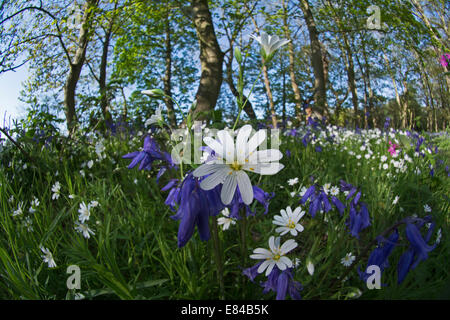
(351, 77)
(287, 34)
(168, 72)
(320, 99)
(102, 79)
(211, 58)
(394, 83)
(405, 105)
(75, 67)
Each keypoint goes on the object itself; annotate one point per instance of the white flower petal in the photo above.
(216, 178)
(228, 143)
(207, 168)
(228, 189)
(264, 265)
(241, 142)
(270, 267)
(288, 246)
(245, 187)
(255, 141)
(264, 168)
(215, 145)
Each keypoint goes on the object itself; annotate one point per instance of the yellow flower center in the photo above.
(276, 257)
(291, 224)
(236, 166)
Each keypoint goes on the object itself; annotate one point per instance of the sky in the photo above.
(10, 86)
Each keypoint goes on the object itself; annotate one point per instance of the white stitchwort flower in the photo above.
(395, 200)
(276, 255)
(154, 118)
(303, 191)
(28, 223)
(439, 236)
(93, 204)
(334, 191)
(291, 182)
(84, 229)
(225, 221)
(239, 157)
(84, 212)
(48, 257)
(289, 221)
(427, 208)
(269, 44)
(348, 259)
(326, 187)
(310, 267)
(34, 204)
(56, 188)
(19, 210)
(90, 163)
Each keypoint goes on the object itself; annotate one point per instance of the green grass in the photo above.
(134, 254)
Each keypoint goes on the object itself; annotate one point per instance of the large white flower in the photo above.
(289, 221)
(232, 160)
(269, 44)
(276, 255)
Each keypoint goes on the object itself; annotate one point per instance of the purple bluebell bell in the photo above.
(259, 195)
(282, 283)
(252, 272)
(318, 200)
(419, 247)
(293, 132)
(173, 198)
(306, 138)
(338, 204)
(150, 153)
(195, 206)
(387, 123)
(288, 153)
(380, 254)
(358, 219)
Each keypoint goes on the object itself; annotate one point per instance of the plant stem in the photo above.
(218, 257)
(241, 106)
(243, 227)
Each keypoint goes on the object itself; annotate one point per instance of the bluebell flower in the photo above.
(282, 283)
(387, 123)
(173, 198)
(259, 195)
(306, 138)
(293, 132)
(358, 219)
(419, 247)
(338, 204)
(288, 153)
(380, 254)
(195, 206)
(318, 200)
(149, 154)
(252, 272)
